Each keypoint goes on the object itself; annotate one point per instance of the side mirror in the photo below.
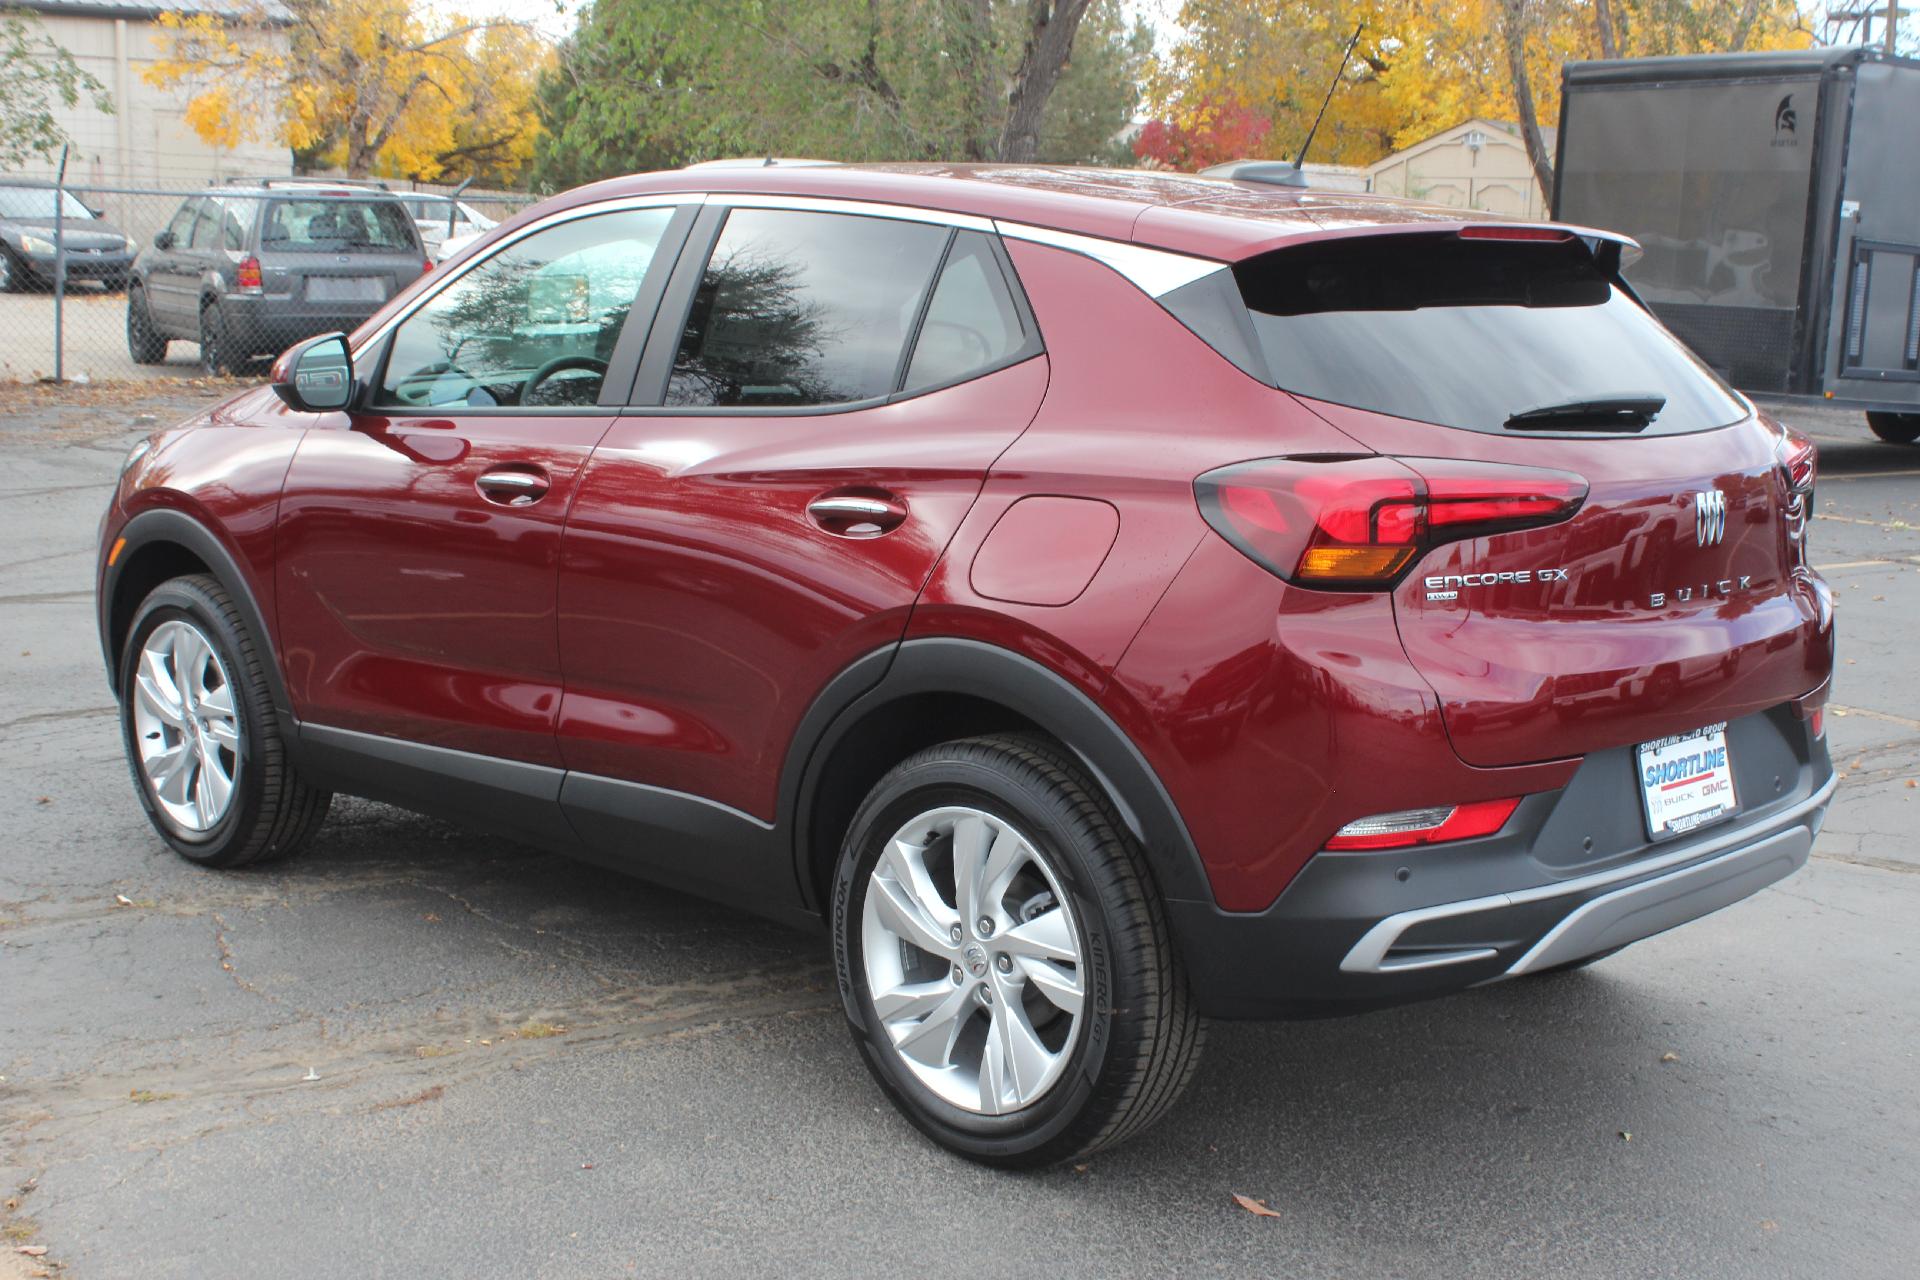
(97, 211)
(315, 376)
(164, 240)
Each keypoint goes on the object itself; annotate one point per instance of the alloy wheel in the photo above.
(186, 726)
(973, 960)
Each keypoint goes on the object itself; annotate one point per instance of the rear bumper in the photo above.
(1609, 909)
(1364, 930)
(265, 323)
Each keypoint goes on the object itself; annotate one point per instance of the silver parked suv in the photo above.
(250, 269)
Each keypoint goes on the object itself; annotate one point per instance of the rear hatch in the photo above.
(1674, 597)
(338, 256)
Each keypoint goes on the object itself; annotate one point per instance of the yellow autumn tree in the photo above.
(1422, 65)
(369, 86)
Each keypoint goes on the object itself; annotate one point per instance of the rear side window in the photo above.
(337, 226)
(233, 230)
(972, 322)
(1467, 333)
(800, 308)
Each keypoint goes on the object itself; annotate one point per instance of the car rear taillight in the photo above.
(426, 266)
(1358, 523)
(247, 275)
(1494, 231)
(1409, 827)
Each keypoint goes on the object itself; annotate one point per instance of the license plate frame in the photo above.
(1686, 781)
(346, 289)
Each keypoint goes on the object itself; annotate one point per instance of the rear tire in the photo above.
(1895, 428)
(216, 358)
(1092, 1034)
(144, 343)
(201, 735)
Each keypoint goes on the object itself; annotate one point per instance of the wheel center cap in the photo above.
(976, 957)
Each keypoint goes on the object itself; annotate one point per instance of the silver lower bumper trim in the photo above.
(1656, 894)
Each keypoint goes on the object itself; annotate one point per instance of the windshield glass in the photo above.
(336, 226)
(1467, 333)
(37, 202)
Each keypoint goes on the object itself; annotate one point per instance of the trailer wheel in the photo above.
(1895, 428)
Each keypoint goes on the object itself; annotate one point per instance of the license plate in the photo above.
(1686, 781)
(346, 289)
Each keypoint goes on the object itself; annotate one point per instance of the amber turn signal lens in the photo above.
(1353, 564)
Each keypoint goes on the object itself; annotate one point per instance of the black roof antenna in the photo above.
(1279, 173)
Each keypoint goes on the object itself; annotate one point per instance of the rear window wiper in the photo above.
(1607, 413)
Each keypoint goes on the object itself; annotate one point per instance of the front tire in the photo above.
(202, 739)
(1895, 428)
(144, 343)
(1004, 957)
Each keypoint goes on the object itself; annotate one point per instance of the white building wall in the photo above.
(146, 141)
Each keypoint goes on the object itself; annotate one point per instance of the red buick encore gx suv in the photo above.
(1104, 600)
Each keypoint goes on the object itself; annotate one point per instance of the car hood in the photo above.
(79, 233)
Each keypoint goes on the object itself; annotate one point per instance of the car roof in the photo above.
(1218, 218)
(297, 191)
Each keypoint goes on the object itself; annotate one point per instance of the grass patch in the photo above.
(538, 1031)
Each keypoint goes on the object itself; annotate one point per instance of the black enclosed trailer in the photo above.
(1777, 198)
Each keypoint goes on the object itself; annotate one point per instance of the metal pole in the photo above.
(453, 201)
(1893, 25)
(59, 268)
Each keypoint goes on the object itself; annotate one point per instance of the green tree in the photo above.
(655, 83)
(36, 77)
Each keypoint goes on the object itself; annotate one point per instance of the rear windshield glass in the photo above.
(337, 226)
(1467, 333)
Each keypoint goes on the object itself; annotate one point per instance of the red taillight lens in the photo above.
(426, 266)
(1358, 523)
(1496, 231)
(247, 274)
(1425, 826)
(1799, 460)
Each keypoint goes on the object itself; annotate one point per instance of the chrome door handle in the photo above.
(512, 488)
(852, 516)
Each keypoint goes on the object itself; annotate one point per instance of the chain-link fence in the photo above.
(173, 281)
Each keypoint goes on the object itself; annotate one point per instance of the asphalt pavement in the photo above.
(421, 1052)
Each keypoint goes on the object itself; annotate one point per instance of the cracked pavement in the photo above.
(418, 1051)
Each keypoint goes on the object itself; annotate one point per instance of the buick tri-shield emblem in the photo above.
(1709, 517)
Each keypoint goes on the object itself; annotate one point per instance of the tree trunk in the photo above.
(1743, 28)
(1603, 20)
(1050, 31)
(1513, 30)
(973, 24)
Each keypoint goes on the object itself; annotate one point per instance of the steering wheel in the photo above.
(559, 364)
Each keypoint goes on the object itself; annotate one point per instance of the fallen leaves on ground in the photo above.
(1258, 1208)
(148, 1095)
(433, 1094)
(32, 1250)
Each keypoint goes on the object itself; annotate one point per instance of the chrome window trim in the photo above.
(856, 208)
(1155, 272)
(617, 205)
